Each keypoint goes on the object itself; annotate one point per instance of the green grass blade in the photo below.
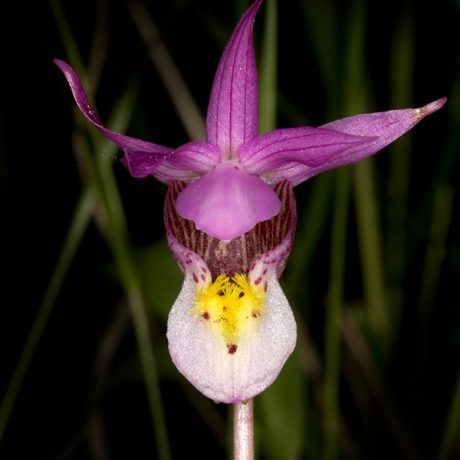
(363, 181)
(160, 277)
(182, 99)
(268, 69)
(322, 26)
(68, 39)
(281, 414)
(118, 240)
(311, 226)
(402, 78)
(434, 258)
(370, 249)
(82, 216)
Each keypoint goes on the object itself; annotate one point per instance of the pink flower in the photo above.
(230, 219)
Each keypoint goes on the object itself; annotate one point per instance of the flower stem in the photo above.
(243, 430)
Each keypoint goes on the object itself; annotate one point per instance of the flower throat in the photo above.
(231, 305)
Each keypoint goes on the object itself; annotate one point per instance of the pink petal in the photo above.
(232, 113)
(187, 162)
(295, 154)
(240, 254)
(227, 201)
(203, 356)
(300, 153)
(142, 157)
(385, 127)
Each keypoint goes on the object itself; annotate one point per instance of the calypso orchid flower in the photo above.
(230, 218)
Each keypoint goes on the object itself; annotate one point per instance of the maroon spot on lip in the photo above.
(257, 281)
(205, 316)
(231, 348)
(195, 278)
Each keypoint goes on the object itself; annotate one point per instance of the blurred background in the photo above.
(373, 277)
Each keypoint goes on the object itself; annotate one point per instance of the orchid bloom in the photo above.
(230, 219)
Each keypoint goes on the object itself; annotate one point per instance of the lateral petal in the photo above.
(296, 154)
(187, 162)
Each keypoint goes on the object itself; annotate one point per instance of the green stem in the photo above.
(312, 223)
(118, 239)
(363, 179)
(336, 288)
(68, 39)
(399, 172)
(128, 276)
(186, 107)
(370, 248)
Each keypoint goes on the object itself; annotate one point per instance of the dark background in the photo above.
(63, 394)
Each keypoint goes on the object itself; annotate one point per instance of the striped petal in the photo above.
(237, 255)
(296, 154)
(142, 157)
(232, 113)
(186, 163)
(385, 127)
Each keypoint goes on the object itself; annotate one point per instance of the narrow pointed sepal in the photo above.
(385, 127)
(142, 157)
(297, 154)
(232, 112)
